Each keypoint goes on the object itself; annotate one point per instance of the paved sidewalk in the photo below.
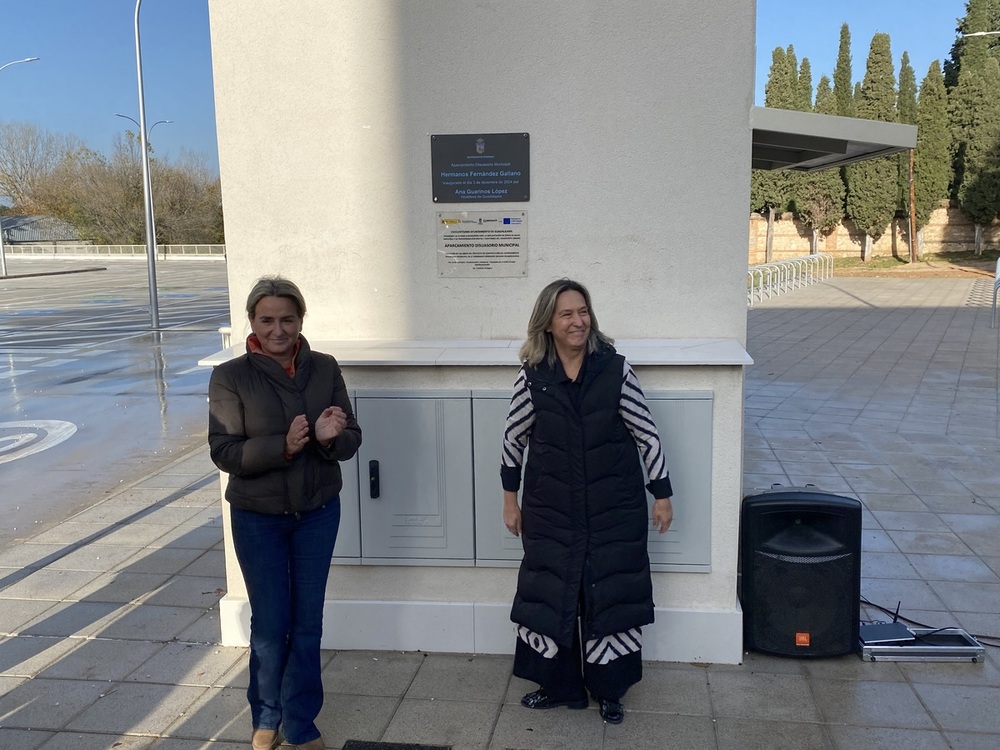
(885, 390)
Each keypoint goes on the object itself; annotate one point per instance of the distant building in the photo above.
(20, 230)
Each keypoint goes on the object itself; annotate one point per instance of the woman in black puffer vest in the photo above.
(584, 589)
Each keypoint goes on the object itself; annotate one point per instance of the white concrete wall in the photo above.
(638, 114)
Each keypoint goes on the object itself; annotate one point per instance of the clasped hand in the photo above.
(329, 424)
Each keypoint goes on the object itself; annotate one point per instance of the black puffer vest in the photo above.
(584, 513)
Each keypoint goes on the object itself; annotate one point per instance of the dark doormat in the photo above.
(366, 745)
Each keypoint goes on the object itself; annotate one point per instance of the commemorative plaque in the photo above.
(482, 244)
(480, 168)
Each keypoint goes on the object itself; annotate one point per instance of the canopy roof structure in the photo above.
(806, 142)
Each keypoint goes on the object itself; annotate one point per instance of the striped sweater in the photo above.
(634, 413)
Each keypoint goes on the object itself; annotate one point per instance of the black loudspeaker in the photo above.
(800, 555)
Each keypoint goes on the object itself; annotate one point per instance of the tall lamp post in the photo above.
(3, 254)
(147, 190)
(158, 122)
(152, 217)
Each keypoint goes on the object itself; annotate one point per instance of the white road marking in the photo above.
(20, 439)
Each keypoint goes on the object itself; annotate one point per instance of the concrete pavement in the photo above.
(882, 389)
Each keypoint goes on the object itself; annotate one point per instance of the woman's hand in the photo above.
(297, 435)
(511, 513)
(663, 514)
(329, 424)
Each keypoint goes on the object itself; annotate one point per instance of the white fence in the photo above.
(770, 279)
(163, 252)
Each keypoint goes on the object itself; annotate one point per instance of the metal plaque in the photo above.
(485, 244)
(480, 168)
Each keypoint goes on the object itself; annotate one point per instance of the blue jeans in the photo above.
(285, 561)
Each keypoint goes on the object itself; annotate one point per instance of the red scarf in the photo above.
(253, 343)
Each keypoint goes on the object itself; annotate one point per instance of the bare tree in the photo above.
(27, 154)
(187, 201)
(102, 197)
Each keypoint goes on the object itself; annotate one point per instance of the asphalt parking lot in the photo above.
(92, 397)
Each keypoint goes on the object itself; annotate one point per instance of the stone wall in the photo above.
(947, 231)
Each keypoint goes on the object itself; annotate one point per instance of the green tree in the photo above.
(782, 79)
(843, 88)
(871, 184)
(932, 159)
(804, 87)
(965, 93)
(820, 200)
(906, 112)
(27, 154)
(102, 196)
(980, 15)
(979, 190)
(770, 191)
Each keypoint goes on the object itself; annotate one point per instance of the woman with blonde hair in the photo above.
(280, 422)
(584, 589)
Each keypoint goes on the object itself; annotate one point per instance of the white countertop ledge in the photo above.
(503, 352)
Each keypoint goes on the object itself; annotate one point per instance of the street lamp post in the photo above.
(149, 205)
(3, 254)
(147, 190)
(158, 122)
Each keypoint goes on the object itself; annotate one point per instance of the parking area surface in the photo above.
(92, 397)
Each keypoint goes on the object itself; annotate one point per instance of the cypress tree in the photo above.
(965, 95)
(826, 103)
(843, 90)
(804, 87)
(979, 190)
(779, 91)
(980, 15)
(871, 194)
(906, 112)
(801, 100)
(932, 159)
(792, 63)
(770, 190)
(821, 194)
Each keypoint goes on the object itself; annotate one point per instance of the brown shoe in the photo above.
(316, 744)
(265, 739)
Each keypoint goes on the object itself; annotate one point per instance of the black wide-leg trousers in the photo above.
(569, 677)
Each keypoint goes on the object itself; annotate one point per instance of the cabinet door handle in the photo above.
(373, 483)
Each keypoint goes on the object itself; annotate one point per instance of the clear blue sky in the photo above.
(923, 28)
(87, 72)
(87, 68)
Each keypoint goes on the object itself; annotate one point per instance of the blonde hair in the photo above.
(539, 345)
(275, 286)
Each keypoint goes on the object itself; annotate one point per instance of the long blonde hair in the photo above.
(539, 345)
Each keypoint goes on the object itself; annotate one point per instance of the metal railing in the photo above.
(771, 279)
(996, 287)
(67, 250)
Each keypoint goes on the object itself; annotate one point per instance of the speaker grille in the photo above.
(804, 595)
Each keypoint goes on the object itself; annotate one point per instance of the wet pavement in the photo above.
(885, 390)
(90, 396)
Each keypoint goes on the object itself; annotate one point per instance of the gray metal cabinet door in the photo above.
(684, 421)
(349, 536)
(348, 545)
(495, 546)
(422, 448)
